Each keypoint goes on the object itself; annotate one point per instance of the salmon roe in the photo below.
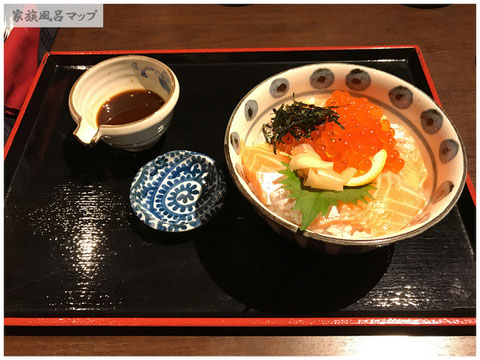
(364, 134)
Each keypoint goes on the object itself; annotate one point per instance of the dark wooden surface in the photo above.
(446, 36)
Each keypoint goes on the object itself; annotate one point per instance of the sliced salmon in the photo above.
(398, 198)
(414, 171)
(259, 164)
(394, 206)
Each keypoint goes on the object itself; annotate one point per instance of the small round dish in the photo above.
(177, 191)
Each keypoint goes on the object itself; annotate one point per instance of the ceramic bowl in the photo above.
(439, 141)
(111, 77)
(177, 191)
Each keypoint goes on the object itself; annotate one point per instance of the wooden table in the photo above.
(446, 36)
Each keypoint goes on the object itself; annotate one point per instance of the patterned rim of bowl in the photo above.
(357, 80)
(178, 191)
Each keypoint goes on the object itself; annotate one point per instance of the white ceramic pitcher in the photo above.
(111, 77)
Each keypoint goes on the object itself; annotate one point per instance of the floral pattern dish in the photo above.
(177, 191)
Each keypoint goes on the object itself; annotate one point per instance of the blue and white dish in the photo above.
(177, 191)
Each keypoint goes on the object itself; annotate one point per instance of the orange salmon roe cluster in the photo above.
(364, 134)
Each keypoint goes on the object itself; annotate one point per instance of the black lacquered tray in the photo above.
(75, 253)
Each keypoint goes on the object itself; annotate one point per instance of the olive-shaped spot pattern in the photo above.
(448, 150)
(358, 80)
(443, 190)
(251, 109)
(321, 78)
(431, 121)
(235, 140)
(279, 87)
(400, 97)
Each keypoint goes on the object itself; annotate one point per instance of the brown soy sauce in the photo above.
(129, 106)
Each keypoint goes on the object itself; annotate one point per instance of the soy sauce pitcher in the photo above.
(123, 76)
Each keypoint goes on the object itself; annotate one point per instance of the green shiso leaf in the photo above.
(312, 202)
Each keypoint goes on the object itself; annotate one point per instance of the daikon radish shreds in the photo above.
(317, 173)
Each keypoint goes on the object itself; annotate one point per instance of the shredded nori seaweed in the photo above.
(298, 119)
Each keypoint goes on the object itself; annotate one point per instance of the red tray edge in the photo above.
(234, 322)
(9, 142)
(244, 322)
(186, 51)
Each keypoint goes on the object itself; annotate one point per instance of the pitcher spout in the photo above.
(87, 134)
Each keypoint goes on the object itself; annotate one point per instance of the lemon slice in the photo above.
(378, 162)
